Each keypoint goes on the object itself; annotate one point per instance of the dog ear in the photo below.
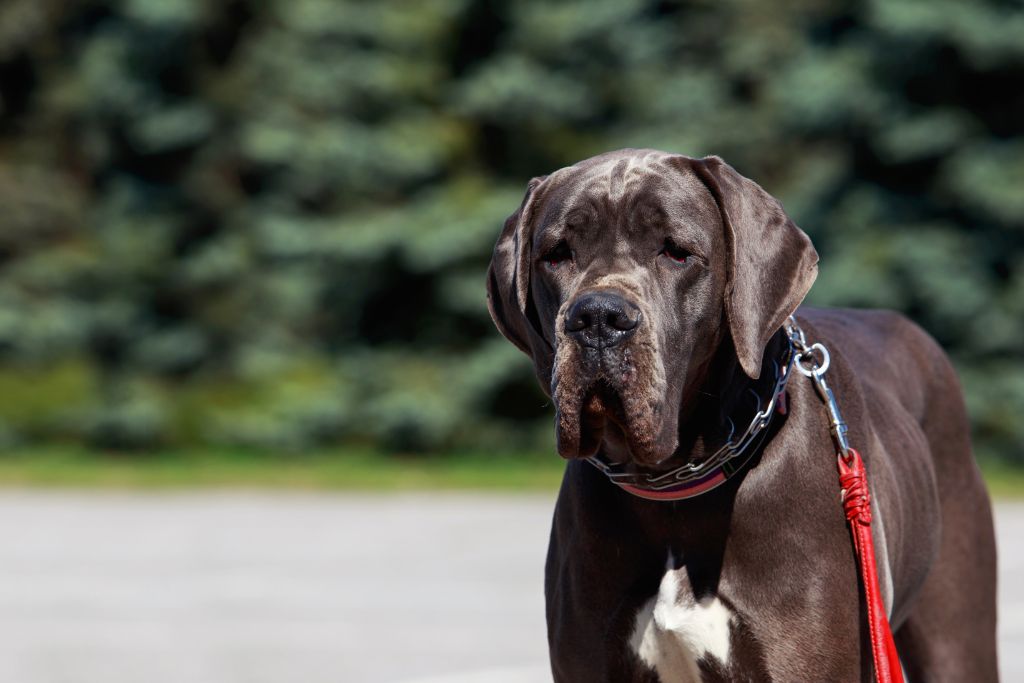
(771, 262)
(508, 276)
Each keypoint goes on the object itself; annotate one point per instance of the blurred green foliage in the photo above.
(266, 222)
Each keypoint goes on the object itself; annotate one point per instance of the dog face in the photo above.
(623, 275)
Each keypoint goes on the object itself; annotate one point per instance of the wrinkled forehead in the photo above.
(647, 183)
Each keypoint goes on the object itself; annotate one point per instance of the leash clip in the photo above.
(807, 363)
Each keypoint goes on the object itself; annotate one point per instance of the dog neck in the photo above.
(722, 397)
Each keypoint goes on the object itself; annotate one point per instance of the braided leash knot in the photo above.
(854, 482)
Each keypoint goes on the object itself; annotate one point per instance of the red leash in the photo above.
(853, 479)
(857, 503)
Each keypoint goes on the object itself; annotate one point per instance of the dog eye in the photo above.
(675, 252)
(557, 254)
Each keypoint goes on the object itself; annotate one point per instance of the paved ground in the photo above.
(260, 588)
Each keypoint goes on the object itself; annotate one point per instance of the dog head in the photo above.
(622, 276)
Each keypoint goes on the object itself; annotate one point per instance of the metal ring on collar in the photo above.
(808, 357)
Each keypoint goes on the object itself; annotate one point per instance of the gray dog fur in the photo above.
(755, 580)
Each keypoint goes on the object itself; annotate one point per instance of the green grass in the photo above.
(322, 470)
(325, 470)
(1004, 481)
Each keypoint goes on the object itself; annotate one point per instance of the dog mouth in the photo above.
(600, 412)
(615, 401)
(603, 416)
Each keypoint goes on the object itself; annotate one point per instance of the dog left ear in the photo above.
(771, 264)
(508, 277)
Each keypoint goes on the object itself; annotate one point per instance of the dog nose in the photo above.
(601, 319)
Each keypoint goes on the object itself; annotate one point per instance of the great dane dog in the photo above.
(651, 291)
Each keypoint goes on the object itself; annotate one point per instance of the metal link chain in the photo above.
(733, 447)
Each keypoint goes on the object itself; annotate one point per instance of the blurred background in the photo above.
(232, 224)
(244, 241)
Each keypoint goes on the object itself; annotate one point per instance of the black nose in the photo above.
(601, 319)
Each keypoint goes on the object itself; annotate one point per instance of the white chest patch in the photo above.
(673, 630)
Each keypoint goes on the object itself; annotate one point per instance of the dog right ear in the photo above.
(771, 263)
(508, 276)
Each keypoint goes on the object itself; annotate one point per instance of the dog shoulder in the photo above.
(890, 358)
(875, 334)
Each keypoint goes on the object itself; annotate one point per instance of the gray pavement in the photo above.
(261, 587)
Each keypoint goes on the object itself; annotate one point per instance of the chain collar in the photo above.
(692, 479)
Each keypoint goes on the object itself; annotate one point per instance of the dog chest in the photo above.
(674, 630)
